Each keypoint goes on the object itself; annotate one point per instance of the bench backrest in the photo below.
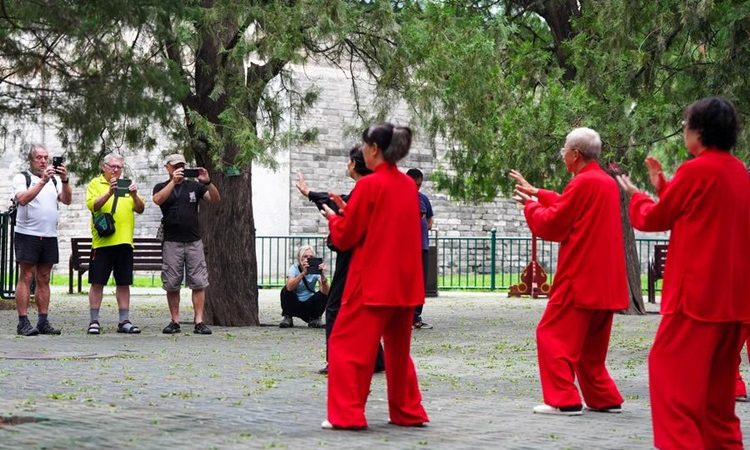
(660, 258)
(147, 253)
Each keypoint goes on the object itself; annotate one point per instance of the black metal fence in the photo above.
(8, 266)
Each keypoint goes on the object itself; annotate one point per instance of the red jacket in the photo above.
(586, 221)
(381, 222)
(707, 208)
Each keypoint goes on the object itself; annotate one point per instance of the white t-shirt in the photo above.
(39, 216)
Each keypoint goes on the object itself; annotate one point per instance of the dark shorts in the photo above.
(35, 250)
(117, 259)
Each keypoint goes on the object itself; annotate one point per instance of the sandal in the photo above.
(94, 328)
(124, 328)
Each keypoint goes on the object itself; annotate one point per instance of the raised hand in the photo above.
(521, 184)
(655, 173)
(301, 184)
(336, 198)
(626, 185)
(521, 196)
(203, 176)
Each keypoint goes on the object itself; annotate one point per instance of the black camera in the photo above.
(57, 161)
(190, 173)
(313, 265)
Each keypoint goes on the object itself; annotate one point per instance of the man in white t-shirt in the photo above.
(37, 193)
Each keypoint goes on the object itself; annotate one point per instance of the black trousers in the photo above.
(418, 309)
(334, 303)
(307, 311)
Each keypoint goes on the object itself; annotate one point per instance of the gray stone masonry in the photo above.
(258, 387)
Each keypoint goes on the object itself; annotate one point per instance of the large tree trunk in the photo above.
(632, 260)
(229, 238)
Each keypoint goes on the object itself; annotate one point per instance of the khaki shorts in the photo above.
(179, 259)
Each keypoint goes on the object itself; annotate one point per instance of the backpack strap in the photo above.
(27, 175)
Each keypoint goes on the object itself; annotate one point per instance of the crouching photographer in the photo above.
(299, 297)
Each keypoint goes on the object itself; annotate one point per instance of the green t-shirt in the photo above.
(124, 214)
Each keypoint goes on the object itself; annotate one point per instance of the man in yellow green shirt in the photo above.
(113, 253)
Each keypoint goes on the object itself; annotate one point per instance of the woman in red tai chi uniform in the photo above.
(706, 206)
(381, 223)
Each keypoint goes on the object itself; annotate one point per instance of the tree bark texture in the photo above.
(632, 260)
(229, 239)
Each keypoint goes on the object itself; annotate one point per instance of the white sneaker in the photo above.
(741, 398)
(326, 425)
(547, 409)
(609, 409)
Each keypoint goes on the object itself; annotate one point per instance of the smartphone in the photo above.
(123, 184)
(57, 161)
(312, 268)
(190, 173)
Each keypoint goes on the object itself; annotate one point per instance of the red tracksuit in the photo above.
(693, 361)
(381, 222)
(590, 284)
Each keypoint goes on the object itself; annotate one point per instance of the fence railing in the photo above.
(8, 266)
(487, 262)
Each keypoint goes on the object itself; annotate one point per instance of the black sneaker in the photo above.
(26, 329)
(316, 323)
(286, 322)
(172, 328)
(201, 328)
(323, 371)
(46, 328)
(422, 325)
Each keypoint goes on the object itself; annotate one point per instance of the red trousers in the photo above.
(353, 347)
(572, 343)
(692, 369)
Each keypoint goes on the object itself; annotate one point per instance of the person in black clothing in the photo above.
(355, 169)
(182, 250)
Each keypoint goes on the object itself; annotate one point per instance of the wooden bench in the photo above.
(656, 270)
(146, 256)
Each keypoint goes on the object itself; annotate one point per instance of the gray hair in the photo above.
(110, 156)
(586, 141)
(302, 249)
(31, 148)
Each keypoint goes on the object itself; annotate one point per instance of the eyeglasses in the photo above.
(113, 166)
(564, 150)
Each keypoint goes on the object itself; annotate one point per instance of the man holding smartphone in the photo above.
(183, 254)
(36, 234)
(112, 254)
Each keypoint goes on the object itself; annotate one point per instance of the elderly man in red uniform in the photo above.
(693, 361)
(381, 224)
(590, 282)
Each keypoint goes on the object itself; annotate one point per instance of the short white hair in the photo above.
(302, 249)
(110, 156)
(586, 141)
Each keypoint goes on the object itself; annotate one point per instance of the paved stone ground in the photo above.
(258, 387)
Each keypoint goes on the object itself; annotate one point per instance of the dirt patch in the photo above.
(6, 305)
